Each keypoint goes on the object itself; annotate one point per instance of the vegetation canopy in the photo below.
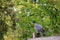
(17, 16)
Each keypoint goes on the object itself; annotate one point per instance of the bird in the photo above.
(39, 28)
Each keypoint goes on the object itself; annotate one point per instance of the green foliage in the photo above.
(19, 22)
(7, 17)
(44, 12)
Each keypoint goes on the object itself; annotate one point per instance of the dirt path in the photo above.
(47, 38)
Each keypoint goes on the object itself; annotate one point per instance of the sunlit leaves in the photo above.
(44, 12)
(7, 17)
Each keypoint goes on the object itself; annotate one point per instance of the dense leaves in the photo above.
(17, 16)
(44, 12)
(7, 17)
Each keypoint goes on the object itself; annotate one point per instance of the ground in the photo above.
(47, 38)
